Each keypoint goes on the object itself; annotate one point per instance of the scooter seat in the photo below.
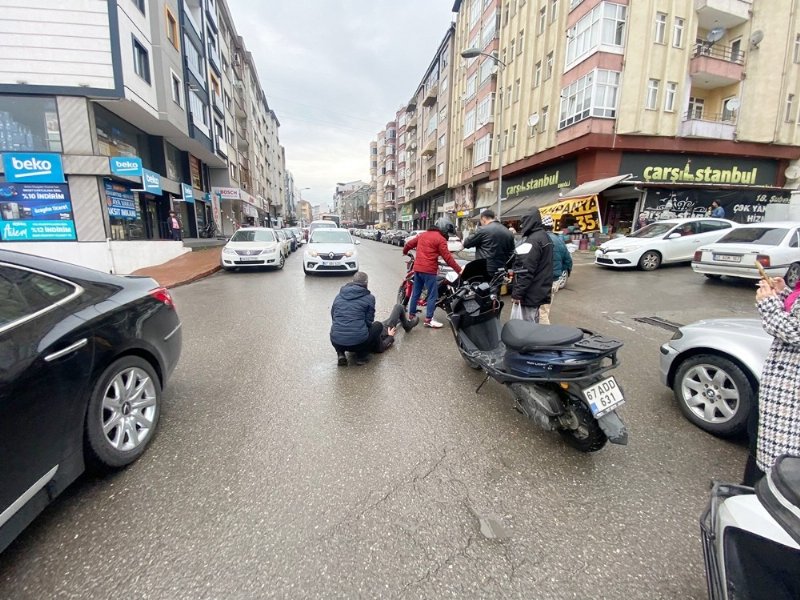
(525, 336)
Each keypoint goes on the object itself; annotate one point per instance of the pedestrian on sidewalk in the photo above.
(533, 272)
(353, 327)
(562, 267)
(492, 241)
(430, 246)
(174, 226)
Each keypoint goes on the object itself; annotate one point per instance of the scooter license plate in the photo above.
(604, 396)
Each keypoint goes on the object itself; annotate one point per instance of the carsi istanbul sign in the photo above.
(697, 169)
(560, 176)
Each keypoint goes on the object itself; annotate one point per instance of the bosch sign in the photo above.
(33, 167)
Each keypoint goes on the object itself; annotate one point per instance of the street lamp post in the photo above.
(474, 53)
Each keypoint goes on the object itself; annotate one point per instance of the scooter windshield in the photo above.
(475, 270)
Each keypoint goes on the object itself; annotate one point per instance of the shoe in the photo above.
(409, 324)
(362, 360)
(433, 324)
(342, 362)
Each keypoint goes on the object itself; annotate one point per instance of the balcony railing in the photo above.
(714, 126)
(719, 51)
(716, 66)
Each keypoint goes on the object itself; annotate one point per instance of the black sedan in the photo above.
(84, 359)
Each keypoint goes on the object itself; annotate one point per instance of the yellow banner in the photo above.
(585, 210)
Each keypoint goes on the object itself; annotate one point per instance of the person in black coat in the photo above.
(493, 241)
(533, 272)
(353, 327)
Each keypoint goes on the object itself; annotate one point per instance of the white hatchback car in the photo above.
(673, 240)
(775, 245)
(330, 250)
(253, 247)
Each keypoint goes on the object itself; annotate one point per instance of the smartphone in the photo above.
(764, 275)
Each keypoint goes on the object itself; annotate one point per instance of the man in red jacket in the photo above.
(430, 246)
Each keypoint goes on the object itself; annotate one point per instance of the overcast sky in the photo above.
(335, 72)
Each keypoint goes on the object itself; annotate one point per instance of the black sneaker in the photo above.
(410, 323)
(362, 360)
(342, 362)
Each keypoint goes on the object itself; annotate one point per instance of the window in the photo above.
(512, 50)
(513, 141)
(677, 32)
(487, 69)
(469, 123)
(507, 98)
(483, 150)
(29, 123)
(728, 115)
(432, 122)
(736, 51)
(215, 87)
(485, 110)
(651, 103)
(553, 10)
(696, 106)
(489, 29)
(199, 112)
(177, 89)
(472, 86)
(504, 145)
(543, 119)
(661, 28)
(548, 71)
(141, 61)
(443, 115)
(669, 96)
(440, 169)
(442, 140)
(517, 86)
(193, 59)
(172, 29)
(542, 20)
(537, 74)
(26, 295)
(229, 135)
(475, 10)
(789, 108)
(603, 25)
(593, 95)
(443, 85)
(797, 48)
(140, 5)
(521, 42)
(506, 10)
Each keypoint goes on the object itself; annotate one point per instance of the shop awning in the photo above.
(514, 208)
(592, 188)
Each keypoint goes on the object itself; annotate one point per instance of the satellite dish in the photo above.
(756, 38)
(733, 104)
(715, 35)
(533, 119)
(792, 172)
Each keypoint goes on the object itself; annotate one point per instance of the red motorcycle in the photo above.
(404, 292)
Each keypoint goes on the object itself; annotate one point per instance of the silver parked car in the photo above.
(713, 368)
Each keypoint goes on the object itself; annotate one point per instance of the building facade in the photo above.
(130, 108)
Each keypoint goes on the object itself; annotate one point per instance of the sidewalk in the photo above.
(186, 268)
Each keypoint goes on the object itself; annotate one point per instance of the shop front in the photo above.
(534, 189)
(406, 216)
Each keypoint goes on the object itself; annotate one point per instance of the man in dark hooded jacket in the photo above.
(533, 272)
(354, 328)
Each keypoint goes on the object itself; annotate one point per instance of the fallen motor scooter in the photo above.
(751, 537)
(556, 373)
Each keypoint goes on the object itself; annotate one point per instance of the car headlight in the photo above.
(313, 253)
(269, 251)
(349, 253)
(228, 251)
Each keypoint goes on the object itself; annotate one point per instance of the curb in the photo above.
(195, 277)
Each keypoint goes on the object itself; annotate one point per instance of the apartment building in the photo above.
(613, 111)
(383, 155)
(127, 105)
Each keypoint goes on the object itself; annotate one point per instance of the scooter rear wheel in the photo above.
(585, 434)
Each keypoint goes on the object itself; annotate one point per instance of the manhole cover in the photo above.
(659, 322)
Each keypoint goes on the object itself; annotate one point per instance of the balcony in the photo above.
(191, 20)
(430, 147)
(430, 95)
(216, 101)
(222, 146)
(722, 13)
(411, 124)
(213, 59)
(720, 127)
(716, 66)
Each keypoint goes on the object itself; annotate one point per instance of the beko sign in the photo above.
(33, 167)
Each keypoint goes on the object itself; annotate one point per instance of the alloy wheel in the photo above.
(710, 393)
(793, 275)
(129, 409)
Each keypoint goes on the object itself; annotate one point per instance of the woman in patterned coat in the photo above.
(779, 391)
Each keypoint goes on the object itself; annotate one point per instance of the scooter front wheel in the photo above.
(579, 428)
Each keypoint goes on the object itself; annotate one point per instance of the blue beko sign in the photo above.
(188, 194)
(33, 167)
(129, 166)
(151, 182)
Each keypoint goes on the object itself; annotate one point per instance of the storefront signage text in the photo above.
(742, 206)
(585, 210)
(35, 212)
(151, 182)
(706, 170)
(33, 167)
(561, 176)
(120, 201)
(226, 193)
(188, 193)
(128, 166)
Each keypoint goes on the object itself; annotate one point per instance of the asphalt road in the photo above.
(276, 473)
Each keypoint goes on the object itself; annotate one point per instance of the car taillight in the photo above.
(698, 256)
(162, 295)
(763, 259)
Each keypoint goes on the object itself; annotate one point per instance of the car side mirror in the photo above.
(674, 236)
(356, 242)
(523, 249)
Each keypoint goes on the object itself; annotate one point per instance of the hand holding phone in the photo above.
(764, 275)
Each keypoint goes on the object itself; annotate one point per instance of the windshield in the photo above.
(768, 236)
(330, 236)
(252, 235)
(653, 230)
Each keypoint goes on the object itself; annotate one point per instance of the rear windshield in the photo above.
(329, 224)
(653, 230)
(767, 236)
(252, 235)
(331, 236)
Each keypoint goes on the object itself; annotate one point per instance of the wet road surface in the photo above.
(276, 473)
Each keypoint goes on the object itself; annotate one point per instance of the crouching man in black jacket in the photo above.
(354, 328)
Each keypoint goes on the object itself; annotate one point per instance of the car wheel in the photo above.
(282, 262)
(714, 393)
(650, 261)
(792, 275)
(123, 413)
(710, 276)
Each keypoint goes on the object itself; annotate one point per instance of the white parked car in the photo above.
(253, 247)
(330, 250)
(672, 240)
(775, 245)
(285, 242)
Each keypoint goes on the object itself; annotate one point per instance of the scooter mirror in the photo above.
(455, 246)
(523, 249)
(451, 276)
